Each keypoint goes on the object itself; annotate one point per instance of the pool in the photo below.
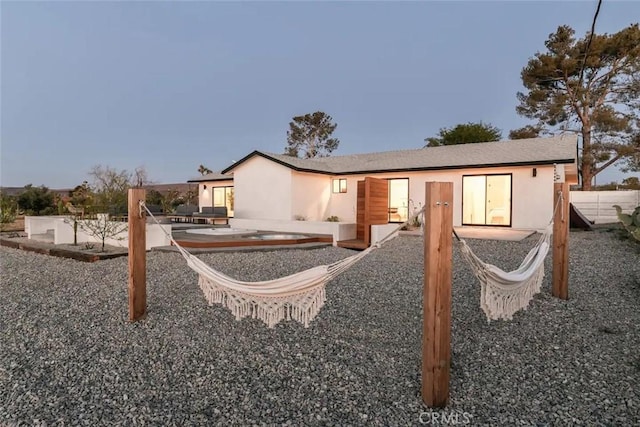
(278, 237)
(216, 238)
(220, 231)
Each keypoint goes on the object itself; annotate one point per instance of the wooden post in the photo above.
(560, 278)
(436, 323)
(137, 255)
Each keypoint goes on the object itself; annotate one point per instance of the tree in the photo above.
(140, 177)
(8, 210)
(35, 200)
(154, 197)
(465, 133)
(631, 183)
(81, 196)
(309, 136)
(203, 170)
(110, 186)
(528, 131)
(590, 86)
(103, 229)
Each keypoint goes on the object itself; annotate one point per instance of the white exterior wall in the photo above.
(532, 197)
(205, 196)
(311, 194)
(63, 232)
(263, 190)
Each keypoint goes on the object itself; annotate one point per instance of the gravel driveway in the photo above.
(68, 356)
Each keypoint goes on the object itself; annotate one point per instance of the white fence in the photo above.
(598, 205)
(63, 232)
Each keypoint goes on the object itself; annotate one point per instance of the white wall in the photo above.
(310, 196)
(266, 190)
(263, 190)
(532, 197)
(598, 205)
(63, 232)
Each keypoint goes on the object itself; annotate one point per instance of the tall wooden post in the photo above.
(560, 278)
(436, 323)
(137, 255)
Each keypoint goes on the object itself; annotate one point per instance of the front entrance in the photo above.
(486, 200)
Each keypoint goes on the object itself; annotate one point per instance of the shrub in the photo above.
(630, 222)
(333, 218)
(8, 210)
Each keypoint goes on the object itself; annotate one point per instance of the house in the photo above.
(503, 183)
(215, 189)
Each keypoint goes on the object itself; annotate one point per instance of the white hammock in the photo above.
(298, 297)
(504, 293)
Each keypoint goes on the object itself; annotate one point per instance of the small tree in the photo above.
(310, 136)
(168, 200)
(203, 170)
(110, 186)
(103, 229)
(465, 133)
(528, 131)
(35, 200)
(8, 210)
(154, 197)
(631, 183)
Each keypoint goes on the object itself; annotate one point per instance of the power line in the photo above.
(586, 51)
(584, 60)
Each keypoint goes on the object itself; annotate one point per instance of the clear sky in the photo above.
(172, 85)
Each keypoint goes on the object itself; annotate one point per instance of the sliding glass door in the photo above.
(398, 200)
(223, 196)
(486, 200)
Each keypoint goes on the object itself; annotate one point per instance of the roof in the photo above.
(213, 176)
(520, 152)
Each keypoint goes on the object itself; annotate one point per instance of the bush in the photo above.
(35, 200)
(333, 218)
(630, 222)
(8, 210)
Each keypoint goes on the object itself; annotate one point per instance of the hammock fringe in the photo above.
(502, 293)
(302, 307)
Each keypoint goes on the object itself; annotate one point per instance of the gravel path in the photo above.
(69, 357)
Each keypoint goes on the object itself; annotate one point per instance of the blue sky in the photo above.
(171, 85)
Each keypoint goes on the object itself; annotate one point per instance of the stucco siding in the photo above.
(262, 190)
(310, 196)
(205, 195)
(531, 200)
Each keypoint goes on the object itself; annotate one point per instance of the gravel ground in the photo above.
(68, 356)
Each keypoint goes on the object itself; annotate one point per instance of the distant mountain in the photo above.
(14, 191)
(181, 188)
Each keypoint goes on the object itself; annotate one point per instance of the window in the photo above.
(339, 185)
(398, 200)
(223, 196)
(486, 200)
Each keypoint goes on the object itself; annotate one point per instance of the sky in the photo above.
(172, 85)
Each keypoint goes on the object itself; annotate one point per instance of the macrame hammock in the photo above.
(504, 293)
(298, 297)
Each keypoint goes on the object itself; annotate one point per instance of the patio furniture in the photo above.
(184, 213)
(211, 214)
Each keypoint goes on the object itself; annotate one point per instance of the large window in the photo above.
(223, 196)
(398, 200)
(486, 200)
